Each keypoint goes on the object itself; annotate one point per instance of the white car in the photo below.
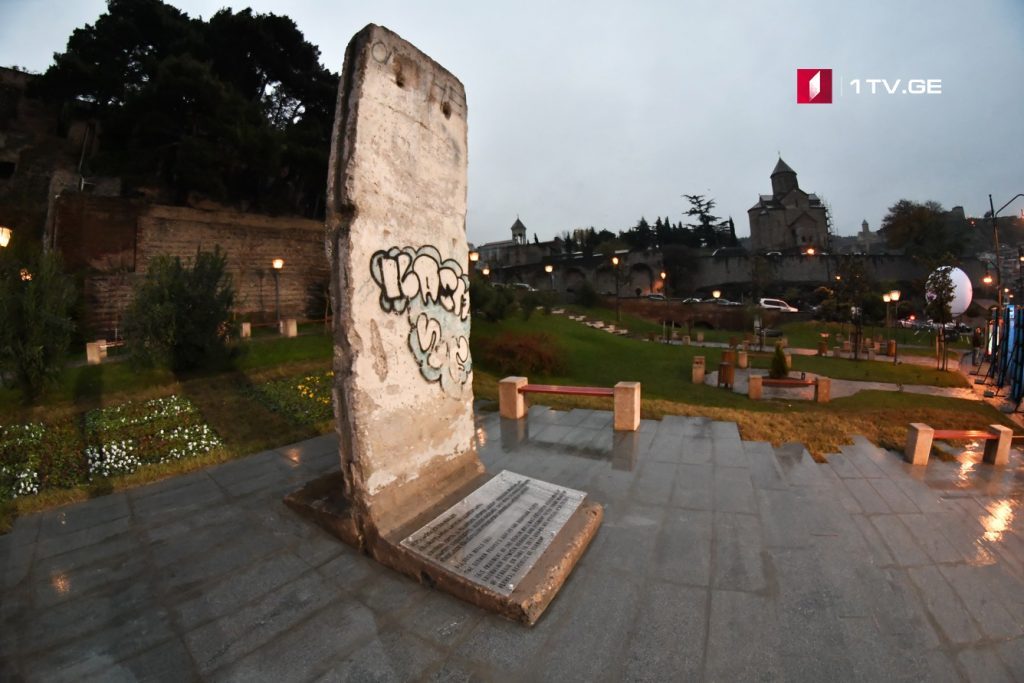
(778, 305)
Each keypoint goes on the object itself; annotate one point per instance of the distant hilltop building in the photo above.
(788, 219)
(517, 251)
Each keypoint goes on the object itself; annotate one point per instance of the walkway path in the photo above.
(718, 559)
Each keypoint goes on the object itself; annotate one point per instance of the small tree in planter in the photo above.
(779, 369)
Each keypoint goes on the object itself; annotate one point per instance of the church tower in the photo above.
(518, 232)
(783, 180)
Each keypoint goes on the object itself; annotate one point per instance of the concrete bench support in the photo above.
(511, 403)
(627, 406)
(94, 353)
(997, 451)
(919, 443)
(741, 359)
(698, 370)
(823, 390)
(754, 387)
(246, 331)
(289, 327)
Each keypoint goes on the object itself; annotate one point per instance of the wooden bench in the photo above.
(920, 436)
(625, 395)
(822, 386)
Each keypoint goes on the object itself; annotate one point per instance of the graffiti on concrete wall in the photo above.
(433, 293)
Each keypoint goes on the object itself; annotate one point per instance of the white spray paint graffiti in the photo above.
(434, 294)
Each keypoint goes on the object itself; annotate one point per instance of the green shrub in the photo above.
(493, 303)
(523, 354)
(586, 295)
(181, 313)
(35, 323)
(778, 369)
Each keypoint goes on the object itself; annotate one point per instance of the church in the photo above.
(788, 219)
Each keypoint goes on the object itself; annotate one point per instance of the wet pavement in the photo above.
(718, 559)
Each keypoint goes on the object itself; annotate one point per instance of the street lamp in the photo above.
(277, 264)
(550, 270)
(5, 236)
(486, 271)
(615, 271)
(810, 251)
(26, 276)
(717, 293)
(474, 256)
(894, 297)
(886, 298)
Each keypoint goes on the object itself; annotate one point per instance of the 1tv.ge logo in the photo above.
(814, 86)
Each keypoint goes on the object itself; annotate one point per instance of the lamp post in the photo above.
(993, 212)
(615, 271)
(277, 264)
(485, 271)
(894, 297)
(550, 270)
(886, 298)
(716, 294)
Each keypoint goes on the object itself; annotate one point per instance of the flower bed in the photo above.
(101, 443)
(304, 399)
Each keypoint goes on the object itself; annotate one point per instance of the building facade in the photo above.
(788, 219)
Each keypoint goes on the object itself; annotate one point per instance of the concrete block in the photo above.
(741, 359)
(289, 327)
(847, 347)
(93, 354)
(919, 443)
(892, 347)
(511, 403)
(754, 387)
(698, 370)
(246, 331)
(789, 360)
(997, 451)
(686, 340)
(700, 337)
(627, 406)
(823, 390)
(871, 354)
(101, 344)
(836, 352)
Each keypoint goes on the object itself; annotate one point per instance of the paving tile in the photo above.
(728, 453)
(733, 490)
(944, 605)
(625, 543)
(983, 603)
(765, 471)
(784, 518)
(866, 496)
(743, 639)
(928, 536)
(693, 487)
(682, 552)
(394, 655)
(985, 665)
(654, 485)
(221, 642)
(668, 639)
(336, 630)
(696, 452)
(736, 556)
(893, 496)
(904, 549)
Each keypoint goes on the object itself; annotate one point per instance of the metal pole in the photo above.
(277, 298)
(995, 239)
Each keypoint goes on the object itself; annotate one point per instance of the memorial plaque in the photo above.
(494, 536)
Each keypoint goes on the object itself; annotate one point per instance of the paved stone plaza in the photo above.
(718, 560)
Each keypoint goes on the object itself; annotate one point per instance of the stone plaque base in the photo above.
(549, 526)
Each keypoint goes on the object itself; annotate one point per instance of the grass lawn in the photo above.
(231, 404)
(598, 358)
(226, 400)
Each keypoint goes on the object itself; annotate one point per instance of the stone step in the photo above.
(797, 465)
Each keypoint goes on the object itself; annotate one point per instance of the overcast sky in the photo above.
(598, 112)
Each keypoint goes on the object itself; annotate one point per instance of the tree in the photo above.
(939, 292)
(181, 314)
(238, 109)
(924, 230)
(779, 368)
(36, 300)
(709, 230)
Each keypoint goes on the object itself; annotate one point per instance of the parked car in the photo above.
(691, 300)
(523, 286)
(777, 305)
(656, 297)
